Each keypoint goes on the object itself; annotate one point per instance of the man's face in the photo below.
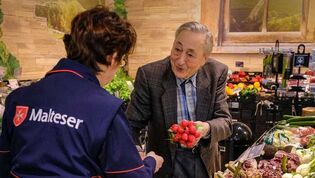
(187, 54)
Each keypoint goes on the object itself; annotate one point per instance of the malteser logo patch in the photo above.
(52, 117)
(20, 115)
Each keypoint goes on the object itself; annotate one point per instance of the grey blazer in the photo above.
(153, 104)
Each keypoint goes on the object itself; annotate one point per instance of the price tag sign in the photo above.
(301, 60)
(256, 151)
(252, 152)
(235, 105)
(13, 84)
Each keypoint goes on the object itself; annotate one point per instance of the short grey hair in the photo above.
(198, 28)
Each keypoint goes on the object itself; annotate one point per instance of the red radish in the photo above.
(197, 134)
(175, 139)
(186, 133)
(174, 128)
(184, 137)
(178, 136)
(180, 130)
(190, 123)
(183, 142)
(191, 138)
(190, 144)
(192, 129)
(184, 123)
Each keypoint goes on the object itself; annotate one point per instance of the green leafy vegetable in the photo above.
(8, 61)
(120, 8)
(119, 86)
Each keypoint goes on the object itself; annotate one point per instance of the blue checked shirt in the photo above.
(186, 99)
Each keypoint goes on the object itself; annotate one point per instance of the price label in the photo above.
(252, 152)
(301, 60)
(235, 105)
(13, 84)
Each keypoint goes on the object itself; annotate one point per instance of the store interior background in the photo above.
(38, 47)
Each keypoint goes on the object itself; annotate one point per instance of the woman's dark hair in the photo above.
(97, 33)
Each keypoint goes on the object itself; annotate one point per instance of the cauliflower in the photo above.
(287, 175)
(305, 169)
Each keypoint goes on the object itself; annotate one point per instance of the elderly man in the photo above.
(185, 85)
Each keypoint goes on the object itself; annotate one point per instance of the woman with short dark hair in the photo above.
(66, 125)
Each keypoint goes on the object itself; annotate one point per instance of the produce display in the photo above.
(244, 77)
(242, 89)
(243, 84)
(297, 120)
(185, 133)
(288, 152)
(119, 85)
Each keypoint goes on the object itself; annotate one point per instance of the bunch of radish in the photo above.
(186, 133)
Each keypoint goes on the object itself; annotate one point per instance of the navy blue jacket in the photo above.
(67, 125)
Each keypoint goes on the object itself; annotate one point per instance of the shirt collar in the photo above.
(192, 79)
(84, 71)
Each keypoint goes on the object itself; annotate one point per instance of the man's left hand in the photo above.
(204, 130)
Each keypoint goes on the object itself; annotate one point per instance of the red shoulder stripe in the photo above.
(65, 70)
(14, 175)
(4, 151)
(124, 171)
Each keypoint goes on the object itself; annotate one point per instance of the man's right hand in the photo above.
(159, 160)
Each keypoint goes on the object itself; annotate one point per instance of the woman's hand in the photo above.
(159, 160)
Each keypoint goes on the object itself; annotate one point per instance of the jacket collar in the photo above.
(169, 101)
(74, 67)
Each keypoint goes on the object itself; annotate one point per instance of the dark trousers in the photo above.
(188, 165)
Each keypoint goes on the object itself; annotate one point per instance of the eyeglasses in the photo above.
(124, 61)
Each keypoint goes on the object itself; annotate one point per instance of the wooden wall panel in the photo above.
(28, 38)
(34, 45)
(156, 23)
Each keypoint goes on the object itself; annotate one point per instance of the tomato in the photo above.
(242, 73)
(254, 80)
